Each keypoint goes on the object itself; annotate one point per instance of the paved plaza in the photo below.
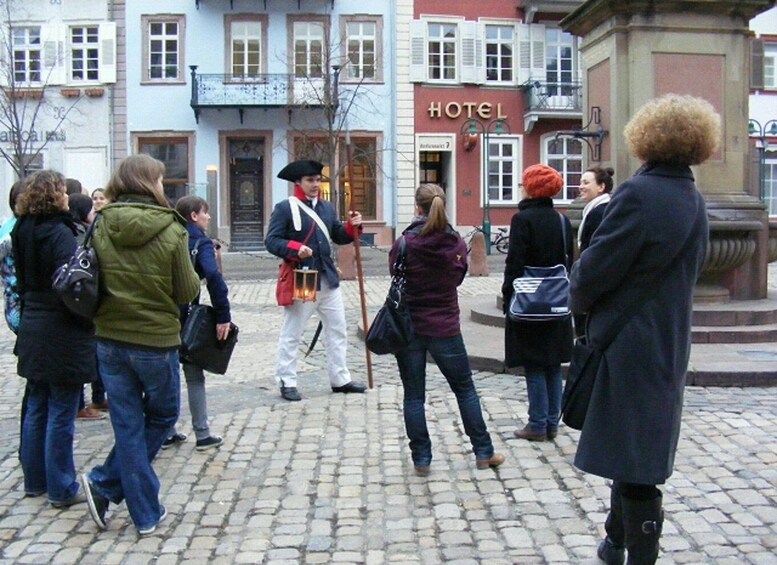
(329, 479)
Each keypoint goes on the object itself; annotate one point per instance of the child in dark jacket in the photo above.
(195, 210)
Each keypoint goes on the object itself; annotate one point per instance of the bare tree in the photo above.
(327, 106)
(27, 64)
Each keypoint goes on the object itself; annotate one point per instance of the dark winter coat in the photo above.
(283, 241)
(592, 221)
(536, 240)
(435, 265)
(206, 267)
(654, 236)
(54, 346)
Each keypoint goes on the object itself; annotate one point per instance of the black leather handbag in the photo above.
(77, 282)
(199, 345)
(392, 328)
(580, 383)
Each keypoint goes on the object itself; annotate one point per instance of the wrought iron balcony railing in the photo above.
(549, 97)
(255, 91)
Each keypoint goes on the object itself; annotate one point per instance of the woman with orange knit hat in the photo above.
(538, 239)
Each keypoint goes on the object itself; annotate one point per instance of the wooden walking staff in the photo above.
(357, 251)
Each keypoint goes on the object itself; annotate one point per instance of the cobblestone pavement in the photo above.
(330, 479)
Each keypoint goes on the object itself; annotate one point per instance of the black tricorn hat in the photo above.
(298, 169)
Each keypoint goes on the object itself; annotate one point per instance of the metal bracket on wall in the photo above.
(597, 135)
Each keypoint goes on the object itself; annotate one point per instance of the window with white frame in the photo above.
(26, 46)
(770, 65)
(770, 185)
(499, 53)
(504, 168)
(361, 43)
(442, 51)
(84, 53)
(308, 49)
(565, 154)
(559, 61)
(163, 49)
(246, 47)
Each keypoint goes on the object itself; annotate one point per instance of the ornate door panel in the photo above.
(246, 177)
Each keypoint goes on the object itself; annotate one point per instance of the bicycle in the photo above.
(500, 239)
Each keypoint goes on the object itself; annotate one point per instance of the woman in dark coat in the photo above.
(595, 188)
(539, 237)
(640, 271)
(435, 265)
(56, 349)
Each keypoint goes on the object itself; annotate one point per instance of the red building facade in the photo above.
(494, 84)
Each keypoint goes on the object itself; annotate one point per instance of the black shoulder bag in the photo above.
(199, 345)
(77, 282)
(392, 328)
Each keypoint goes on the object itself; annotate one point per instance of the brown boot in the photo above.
(529, 434)
(495, 460)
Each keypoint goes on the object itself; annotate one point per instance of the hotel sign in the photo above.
(453, 110)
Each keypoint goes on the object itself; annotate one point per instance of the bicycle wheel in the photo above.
(502, 245)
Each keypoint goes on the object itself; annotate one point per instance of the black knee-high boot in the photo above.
(612, 548)
(642, 521)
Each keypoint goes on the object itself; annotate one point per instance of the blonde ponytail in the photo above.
(430, 198)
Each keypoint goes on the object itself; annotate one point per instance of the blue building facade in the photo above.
(227, 92)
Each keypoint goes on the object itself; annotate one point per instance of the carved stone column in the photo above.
(636, 50)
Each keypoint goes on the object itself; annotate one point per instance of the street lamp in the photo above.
(760, 132)
(470, 130)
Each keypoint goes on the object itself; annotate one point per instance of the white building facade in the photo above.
(226, 93)
(58, 69)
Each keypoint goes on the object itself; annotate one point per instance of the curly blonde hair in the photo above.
(674, 129)
(43, 193)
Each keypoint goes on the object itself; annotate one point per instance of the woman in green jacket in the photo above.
(146, 272)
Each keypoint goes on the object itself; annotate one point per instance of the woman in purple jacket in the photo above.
(436, 262)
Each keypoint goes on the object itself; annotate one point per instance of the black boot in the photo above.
(642, 520)
(612, 549)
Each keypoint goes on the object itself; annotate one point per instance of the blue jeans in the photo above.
(543, 385)
(144, 388)
(47, 440)
(451, 357)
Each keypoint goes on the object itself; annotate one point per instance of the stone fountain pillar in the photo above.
(635, 50)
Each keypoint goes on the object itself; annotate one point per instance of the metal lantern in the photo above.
(305, 284)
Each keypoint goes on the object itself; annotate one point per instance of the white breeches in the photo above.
(329, 306)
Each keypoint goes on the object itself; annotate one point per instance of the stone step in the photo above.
(757, 324)
(711, 364)
(733, 313)
(736, 313)
(764, 333)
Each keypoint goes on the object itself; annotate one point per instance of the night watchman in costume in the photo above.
(291, 223)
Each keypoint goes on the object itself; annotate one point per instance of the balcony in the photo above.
(551, 100)
(214, 91)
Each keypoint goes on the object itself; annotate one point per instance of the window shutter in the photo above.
(471, 52)
(54, 69)
(418, 67)
(757, 64)
(531, 55)
(107, 41)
